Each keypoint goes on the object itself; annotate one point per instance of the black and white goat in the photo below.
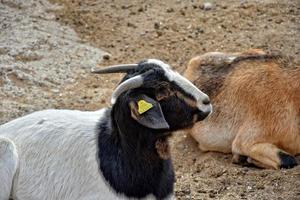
(114, 153)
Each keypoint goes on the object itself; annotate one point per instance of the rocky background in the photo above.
(38, 57)
(48, 48)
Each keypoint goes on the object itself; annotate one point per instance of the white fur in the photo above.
(56, 155)
(185, 84)
(8, 166)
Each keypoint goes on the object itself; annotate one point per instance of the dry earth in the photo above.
(38, 56)
(174, 31)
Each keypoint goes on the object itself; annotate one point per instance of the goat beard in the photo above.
(162, 148)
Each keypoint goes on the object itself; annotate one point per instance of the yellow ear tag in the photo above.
(144, 106)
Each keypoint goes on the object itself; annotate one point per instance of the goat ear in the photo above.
(147, 112)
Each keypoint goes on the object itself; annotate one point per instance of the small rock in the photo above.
(159, 33)
(169, 10)
(212, 195)
(224, 6)
(202, 191)
(157, 25)
(106, 56)
(278, 21)
(141, 9)
(3, 50)
(129, 24)
(182, 12)
(293, 19)
(55, 90)
(102, 100)
(207, 6)
(260, 187)
(126, 6)
(199, 30)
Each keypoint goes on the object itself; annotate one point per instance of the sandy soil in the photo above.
(175, 31)
(38, 56)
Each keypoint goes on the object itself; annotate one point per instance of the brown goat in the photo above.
(256, 100)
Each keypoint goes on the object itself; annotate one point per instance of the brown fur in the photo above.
(256, 101)
(162, 148)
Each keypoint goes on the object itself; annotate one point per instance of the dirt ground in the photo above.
(175, 31)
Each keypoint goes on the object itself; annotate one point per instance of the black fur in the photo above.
(129, 161)
(287, 161)
(154, 81)
(128, 158)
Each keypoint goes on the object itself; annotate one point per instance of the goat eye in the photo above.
(163, 93)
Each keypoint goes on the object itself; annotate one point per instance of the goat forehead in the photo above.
(181, 81)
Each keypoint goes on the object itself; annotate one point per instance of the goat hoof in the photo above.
(286, 161)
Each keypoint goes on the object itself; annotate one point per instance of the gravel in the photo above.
(38, 56)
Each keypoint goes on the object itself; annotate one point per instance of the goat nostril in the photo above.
(206, 101)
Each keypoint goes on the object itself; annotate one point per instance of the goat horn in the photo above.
(134, 82)
(114, 69)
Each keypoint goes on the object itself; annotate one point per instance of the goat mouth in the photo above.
(201, 116)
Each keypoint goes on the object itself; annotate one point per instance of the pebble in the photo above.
(129, 24)
(106, 56)
(55, 90)
(278, 21)
(169, 10)
(141, 9)
(207, 6)
(212, 195)
(157, 25)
